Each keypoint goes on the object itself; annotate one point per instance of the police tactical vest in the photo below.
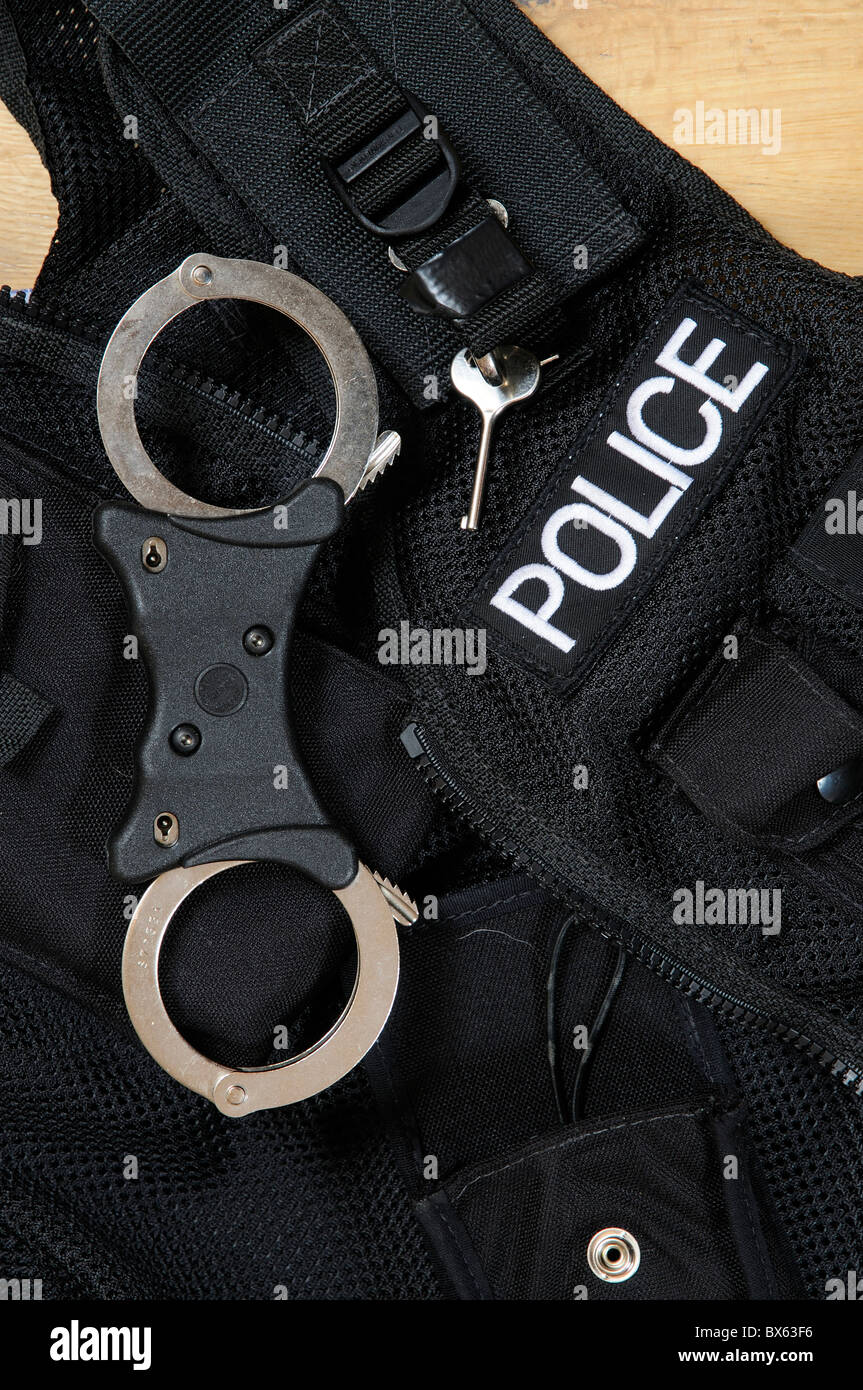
(606, 735)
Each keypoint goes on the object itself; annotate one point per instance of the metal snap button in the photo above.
(843, 784)
(613, 1255)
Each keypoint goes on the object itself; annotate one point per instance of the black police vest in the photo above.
(609, 739)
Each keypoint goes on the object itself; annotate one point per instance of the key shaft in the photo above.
(518, 377)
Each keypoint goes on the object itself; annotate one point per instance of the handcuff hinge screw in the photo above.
(258, 640)
(185, 739)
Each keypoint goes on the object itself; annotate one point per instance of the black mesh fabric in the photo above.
(101, 185)
(118, 1184)
(809, 1142)
(233, 408)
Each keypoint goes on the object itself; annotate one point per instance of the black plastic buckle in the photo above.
(424, 206)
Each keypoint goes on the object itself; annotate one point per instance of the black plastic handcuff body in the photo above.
(240, 791)
(214, 593)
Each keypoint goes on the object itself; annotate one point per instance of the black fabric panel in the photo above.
(22, 714)
(22, 710)
(472, 1086)
(464, 1070)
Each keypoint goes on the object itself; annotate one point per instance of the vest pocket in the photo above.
(631, 1207)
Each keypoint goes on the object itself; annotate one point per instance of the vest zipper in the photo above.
(688, 981)
(32, 308)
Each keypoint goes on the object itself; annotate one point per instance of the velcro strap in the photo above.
(753, 737)
(268, 94)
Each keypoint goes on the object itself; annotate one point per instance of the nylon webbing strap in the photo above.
(22, 711)
(375, 147)
(751, 740)
(270, 96)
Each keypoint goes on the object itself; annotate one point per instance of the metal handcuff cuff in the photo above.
(213, 592)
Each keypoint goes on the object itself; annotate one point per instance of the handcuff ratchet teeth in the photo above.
(213, 592)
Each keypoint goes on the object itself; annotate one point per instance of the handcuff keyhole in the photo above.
(166, 829)
(154, 554)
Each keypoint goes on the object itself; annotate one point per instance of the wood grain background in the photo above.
(655, 57)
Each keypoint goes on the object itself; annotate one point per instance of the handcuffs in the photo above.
(213, 592)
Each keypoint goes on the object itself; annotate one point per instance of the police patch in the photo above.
(640, 474)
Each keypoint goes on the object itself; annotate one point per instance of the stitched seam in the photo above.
(272, 62)
(688, 783)
(766, 1273)
(445, 1221)
(819, 688)
(489, 907)
(320, 30)
(528, 99)
(576, 1139)
(836, 585)
(574, 103)
(219, 95)
(60, 474)
(695, 1037)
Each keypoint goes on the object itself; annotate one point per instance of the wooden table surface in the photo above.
(660, 59)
